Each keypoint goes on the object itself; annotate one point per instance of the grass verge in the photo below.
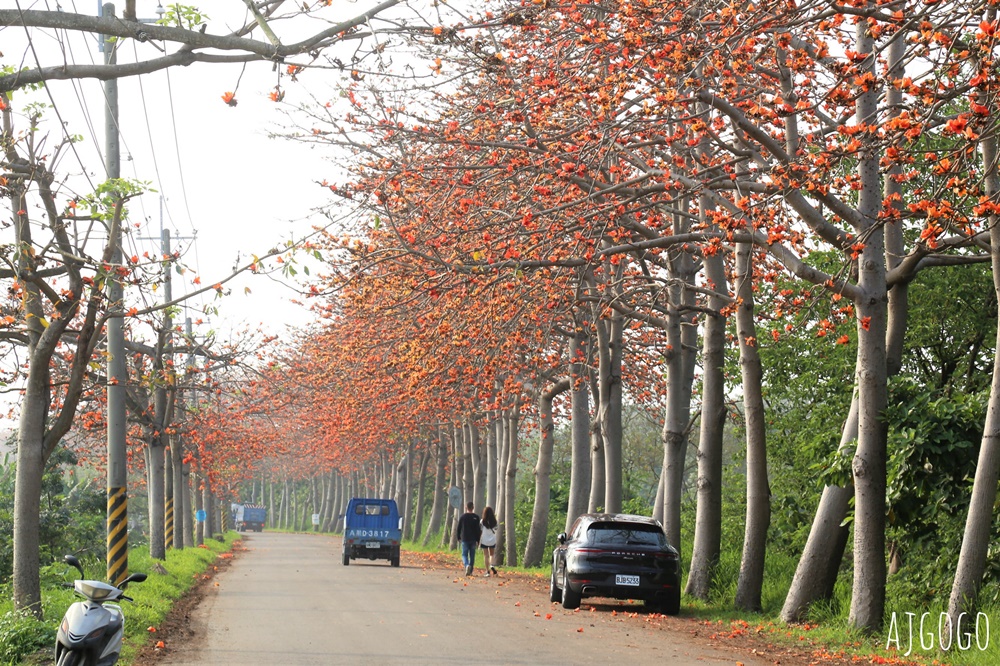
(24, 640)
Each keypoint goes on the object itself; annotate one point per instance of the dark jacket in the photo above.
(468, 527)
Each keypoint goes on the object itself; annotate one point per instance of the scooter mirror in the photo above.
(73, 562)
(133, 578)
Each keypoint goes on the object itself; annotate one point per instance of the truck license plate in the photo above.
(621, 579)
(376, 544)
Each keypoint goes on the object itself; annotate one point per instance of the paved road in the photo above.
(290, 601)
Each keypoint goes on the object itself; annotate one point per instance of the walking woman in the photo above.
(488, 539)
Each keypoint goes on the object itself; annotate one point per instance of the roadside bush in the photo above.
(72, 512)
(21, 635)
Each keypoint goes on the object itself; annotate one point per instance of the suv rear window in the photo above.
(635, 534)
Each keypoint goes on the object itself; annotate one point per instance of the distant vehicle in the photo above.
(616, 555)
(372, 530)
(249, 517)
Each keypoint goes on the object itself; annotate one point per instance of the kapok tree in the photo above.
(803, 149)
(59, 276)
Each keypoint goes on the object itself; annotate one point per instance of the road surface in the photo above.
(289, 600)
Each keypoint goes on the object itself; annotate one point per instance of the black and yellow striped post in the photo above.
(168, 497)
(117, 535)
(168, 522)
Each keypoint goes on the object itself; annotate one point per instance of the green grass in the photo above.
(24, 640)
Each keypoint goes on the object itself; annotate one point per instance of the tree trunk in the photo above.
(708, 520)
(510, 474)
(758, 517)
(501, 508)
(326, 496)
(285, 501)
(979, 521)
(209, 503)
(421, 491)
(596, 500)
(580, 469)
(408, 493)
(272, 512)
(27, 494)
(491, 462)
(456, 481)
(326, 510)
(479, 463)
(674, 425)
(386, 490)
(464, 443)
(157, 546)
(869, 464)
(534, 550)
(681, 341)
(439, 496)
(333, 518)
(658, 502)
(609, 355)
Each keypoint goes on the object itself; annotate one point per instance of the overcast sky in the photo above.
(223, 181)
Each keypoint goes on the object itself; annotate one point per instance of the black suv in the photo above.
(616, 555)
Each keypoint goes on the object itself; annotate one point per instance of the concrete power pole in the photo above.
(117, 557)
(187, 484)
(172, 535)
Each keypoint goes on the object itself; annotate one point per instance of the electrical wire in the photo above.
(48, 92)
(67, 47)
(177, 149)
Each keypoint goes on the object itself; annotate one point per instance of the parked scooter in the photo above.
(91, 632)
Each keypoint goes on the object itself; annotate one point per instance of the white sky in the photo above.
(222, 179)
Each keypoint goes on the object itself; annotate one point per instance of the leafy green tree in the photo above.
(950, 338)
(72, 512)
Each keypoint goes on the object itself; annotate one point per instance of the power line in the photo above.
(48, 92)
(177, 150)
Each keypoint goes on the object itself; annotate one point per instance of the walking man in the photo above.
(468, 533)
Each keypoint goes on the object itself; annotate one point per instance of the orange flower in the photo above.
(229, 98)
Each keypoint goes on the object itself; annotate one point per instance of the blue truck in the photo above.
(249, 517)
(372, 530)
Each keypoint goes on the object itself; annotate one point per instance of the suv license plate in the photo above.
(376, 544)
(621, 579)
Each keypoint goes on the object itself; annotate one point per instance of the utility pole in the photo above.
(187, 515)
(117, 557)
(178, 500)
(172, 535)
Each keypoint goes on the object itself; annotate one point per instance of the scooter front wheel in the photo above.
(70, 658)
